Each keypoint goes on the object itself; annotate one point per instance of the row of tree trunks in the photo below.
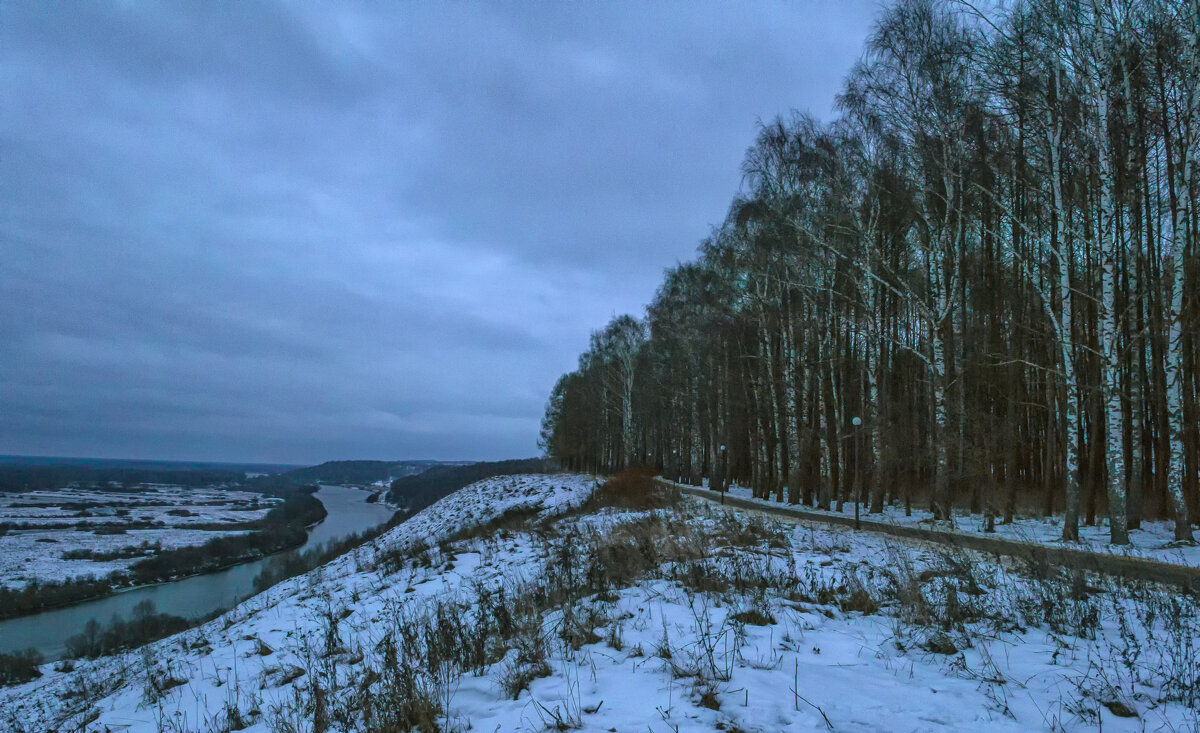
(979, 288)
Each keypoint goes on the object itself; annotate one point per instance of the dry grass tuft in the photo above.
(633, 490)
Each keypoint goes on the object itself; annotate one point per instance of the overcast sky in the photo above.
(306, 231)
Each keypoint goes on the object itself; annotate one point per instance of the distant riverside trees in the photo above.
(17, 478)
(990, 260)
(282, 528)
(145, 625)
(35, 596)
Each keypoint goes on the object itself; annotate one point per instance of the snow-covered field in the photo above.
(1154, 540)
(51, 523)
(684, 618)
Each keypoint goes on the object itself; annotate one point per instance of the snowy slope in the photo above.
(209, 656)
(679, 619)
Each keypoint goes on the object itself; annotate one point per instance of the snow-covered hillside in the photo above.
(516, 604)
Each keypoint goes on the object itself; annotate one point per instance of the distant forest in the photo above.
(978, 287)
(17, 478)
(39, 474)
(417, 492)
(342, 473)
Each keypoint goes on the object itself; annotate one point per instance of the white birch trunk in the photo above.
(1109, 330)
(1064, 325)
(937, 382)
(872, 367)
(941, 421)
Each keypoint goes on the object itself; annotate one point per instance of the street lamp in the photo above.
(724, 468)
(857, 422)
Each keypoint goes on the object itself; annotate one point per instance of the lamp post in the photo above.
(724, 467)
(857, 423)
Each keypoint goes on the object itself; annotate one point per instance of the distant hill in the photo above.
(419, 491)
(17, 478)
(24, 473)
(138, 464)
(360, 473)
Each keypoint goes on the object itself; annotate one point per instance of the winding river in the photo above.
(348, 512)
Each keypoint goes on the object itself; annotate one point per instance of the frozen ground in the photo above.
(685, 618)
(153, 504)
(46, 524)
(1154, 540)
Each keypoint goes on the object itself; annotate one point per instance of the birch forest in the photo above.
(976, 289)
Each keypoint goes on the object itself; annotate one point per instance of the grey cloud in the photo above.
(302, 231)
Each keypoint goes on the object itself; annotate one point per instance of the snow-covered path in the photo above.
(1152, 543)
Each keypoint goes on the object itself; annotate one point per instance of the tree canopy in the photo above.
(989, 259)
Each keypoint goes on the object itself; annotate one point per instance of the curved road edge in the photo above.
(1131, 568)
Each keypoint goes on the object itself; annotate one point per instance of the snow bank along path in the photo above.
(1108, 563)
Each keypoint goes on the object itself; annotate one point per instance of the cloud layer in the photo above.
(304, 231)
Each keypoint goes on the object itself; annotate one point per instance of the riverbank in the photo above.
(283, 527)
(114, 585)
(195, 596)
(49, 537)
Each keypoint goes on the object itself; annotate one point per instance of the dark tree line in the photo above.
(19, 477)
(36, 596)
(979, 287)
(145, 625)
(414, 493)
(282, 528)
